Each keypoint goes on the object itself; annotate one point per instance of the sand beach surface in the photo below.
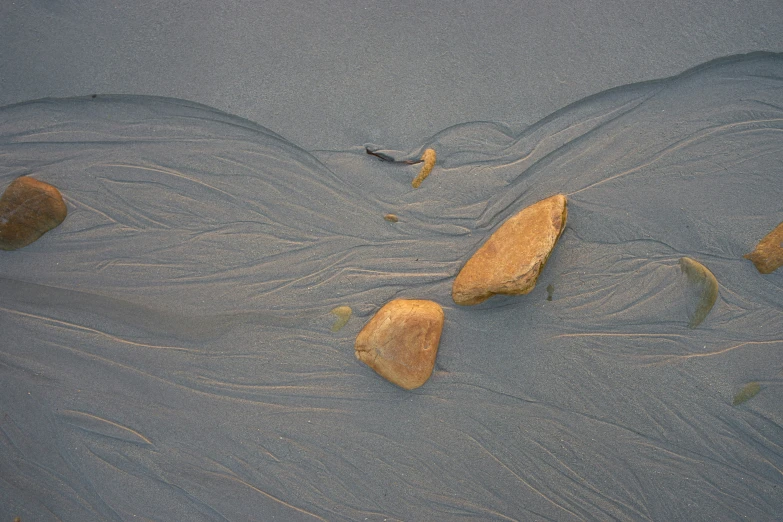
(170, 351)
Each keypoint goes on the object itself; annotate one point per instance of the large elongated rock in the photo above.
(768, 254)
(28, 209)
(401, 341)
(510, 261)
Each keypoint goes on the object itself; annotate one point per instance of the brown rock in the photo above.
(401, 341)
(768, 254)
(510, 261)
(28, 209)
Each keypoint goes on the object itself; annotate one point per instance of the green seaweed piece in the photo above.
(343, 313)
(748, 392)
(703, 290)
(550, 289)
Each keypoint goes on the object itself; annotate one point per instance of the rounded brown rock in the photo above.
(768, 254)
(401, 341)
(28, 209)
(511, 260)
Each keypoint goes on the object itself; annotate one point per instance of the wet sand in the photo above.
(168, 350)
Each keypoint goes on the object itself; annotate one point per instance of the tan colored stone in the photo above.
(510, 261)
(768, 254)
(28, 209)
(401, 341)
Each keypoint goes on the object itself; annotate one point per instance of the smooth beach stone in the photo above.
(768, 254)
(511, 260)
(702, 289)
(343, 313)
(401, 341)
(28, 209)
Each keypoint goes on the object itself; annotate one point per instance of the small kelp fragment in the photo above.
(768, 254)
(745, 394)
(391, 218)
(380, 155)
(401, 341)
(343, 313)
(428, 158)
(390, 159)
(703, 290)
(28, 209)
(550, 290)
(511, 260)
